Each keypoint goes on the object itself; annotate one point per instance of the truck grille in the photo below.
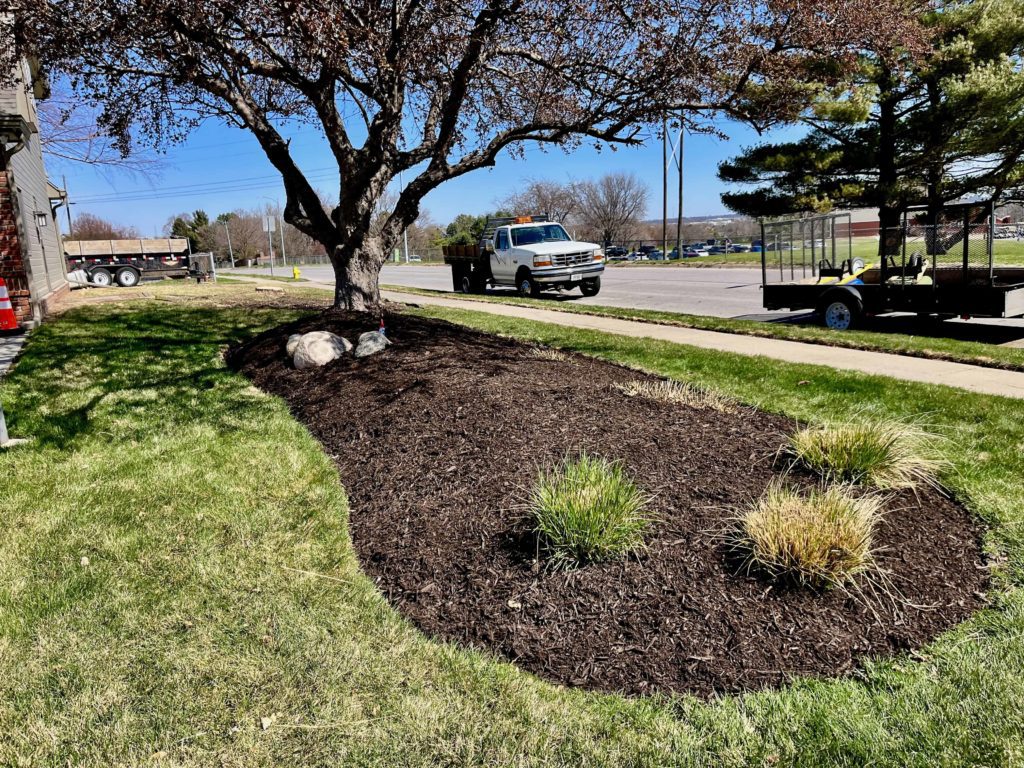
(571, 259)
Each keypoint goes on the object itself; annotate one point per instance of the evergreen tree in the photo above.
(905, 129)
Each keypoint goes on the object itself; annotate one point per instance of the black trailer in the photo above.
(932, 264)
(128, 261)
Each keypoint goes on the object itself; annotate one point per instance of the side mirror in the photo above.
(488, 244)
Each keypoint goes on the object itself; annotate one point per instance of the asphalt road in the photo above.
(732, 292)
(718, 292)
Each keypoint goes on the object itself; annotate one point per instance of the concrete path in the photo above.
(990, 381)
(973, 378)
(9, 348)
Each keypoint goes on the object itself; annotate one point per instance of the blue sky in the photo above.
(221, 168)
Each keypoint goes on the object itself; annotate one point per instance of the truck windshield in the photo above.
(543, 233)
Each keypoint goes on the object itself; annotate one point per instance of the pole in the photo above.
(67, 206)
(284, 255)
(405, 232)
(231, 253)
(679, 209)
(270, 242)
(664, 185)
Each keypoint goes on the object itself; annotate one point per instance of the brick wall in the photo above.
(12, 265)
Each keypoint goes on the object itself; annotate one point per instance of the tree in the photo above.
(465, 229)
(905, 130)
(439, 89)
(611, 208)
(549, 198)
(69, 130)
(196, 228)
(88, 226)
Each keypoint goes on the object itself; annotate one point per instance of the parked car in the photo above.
(656, 255)
(414, 257)
(616, 253)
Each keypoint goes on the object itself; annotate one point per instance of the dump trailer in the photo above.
(529, 253)
(126, 262)
(932, 264)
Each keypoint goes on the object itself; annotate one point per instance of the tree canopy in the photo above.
(434, 88)
(905, 130)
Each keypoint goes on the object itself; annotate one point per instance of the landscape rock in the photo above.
(370, 343)
(293, 342)
(319, 348)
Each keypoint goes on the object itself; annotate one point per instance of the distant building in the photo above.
(31, 256)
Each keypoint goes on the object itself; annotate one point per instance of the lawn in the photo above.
(180, 588)
(901, 335)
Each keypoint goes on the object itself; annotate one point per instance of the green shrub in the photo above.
(587, 510)
(821, 539)
(882, 453)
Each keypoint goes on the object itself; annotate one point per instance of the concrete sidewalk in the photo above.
(973, 378)
(989, 381)
(10, 346)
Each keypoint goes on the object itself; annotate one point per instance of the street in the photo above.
(729, 292)
(733, 292)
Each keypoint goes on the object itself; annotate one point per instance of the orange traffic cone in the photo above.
(8, 321)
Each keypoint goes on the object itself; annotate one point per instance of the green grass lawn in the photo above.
(905, 335)
(179, 587)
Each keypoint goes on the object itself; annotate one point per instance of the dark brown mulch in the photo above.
(437, 441)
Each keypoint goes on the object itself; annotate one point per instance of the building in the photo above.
(31, 256)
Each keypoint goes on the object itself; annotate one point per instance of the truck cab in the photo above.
(530, 254)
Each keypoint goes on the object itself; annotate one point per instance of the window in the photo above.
(546, 233)
(502, 241)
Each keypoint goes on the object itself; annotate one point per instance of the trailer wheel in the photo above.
(839, 314)
(100, 277)
(591, 287)
(127, 277)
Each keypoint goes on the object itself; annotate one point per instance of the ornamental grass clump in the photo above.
(587, 510)
(678, 393)
(885, 454)
(822, 539)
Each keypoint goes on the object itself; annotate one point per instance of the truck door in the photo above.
(501, 261)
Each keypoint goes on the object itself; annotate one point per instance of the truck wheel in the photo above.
(100, 277)
(127, 277)
(839, 314)
(467, 283)
(525, 284)
(591, 287)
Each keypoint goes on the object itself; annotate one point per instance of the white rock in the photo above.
(370, 343)
(319, 348)
(293, 342)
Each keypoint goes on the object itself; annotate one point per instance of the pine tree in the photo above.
(905, 129)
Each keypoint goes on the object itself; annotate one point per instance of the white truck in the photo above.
(528, 253)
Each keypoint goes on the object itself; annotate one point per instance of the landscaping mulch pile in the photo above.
(438, 441)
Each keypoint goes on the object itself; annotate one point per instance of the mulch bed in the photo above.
(437, 441)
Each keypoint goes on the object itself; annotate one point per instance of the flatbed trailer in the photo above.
(930, 265)
(128, 261)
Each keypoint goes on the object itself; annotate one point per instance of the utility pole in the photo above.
(231, 253)
(679, 209)
(67, 206)
(664, 186)
(405, 232)
(268, 224)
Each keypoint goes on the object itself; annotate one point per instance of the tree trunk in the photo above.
(357, 276)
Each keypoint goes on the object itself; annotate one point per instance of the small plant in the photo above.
(885, 454)
(821, 539)
(550, 354)
(587, 510)
(679, 393)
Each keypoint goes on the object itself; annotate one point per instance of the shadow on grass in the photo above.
(164, 358)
